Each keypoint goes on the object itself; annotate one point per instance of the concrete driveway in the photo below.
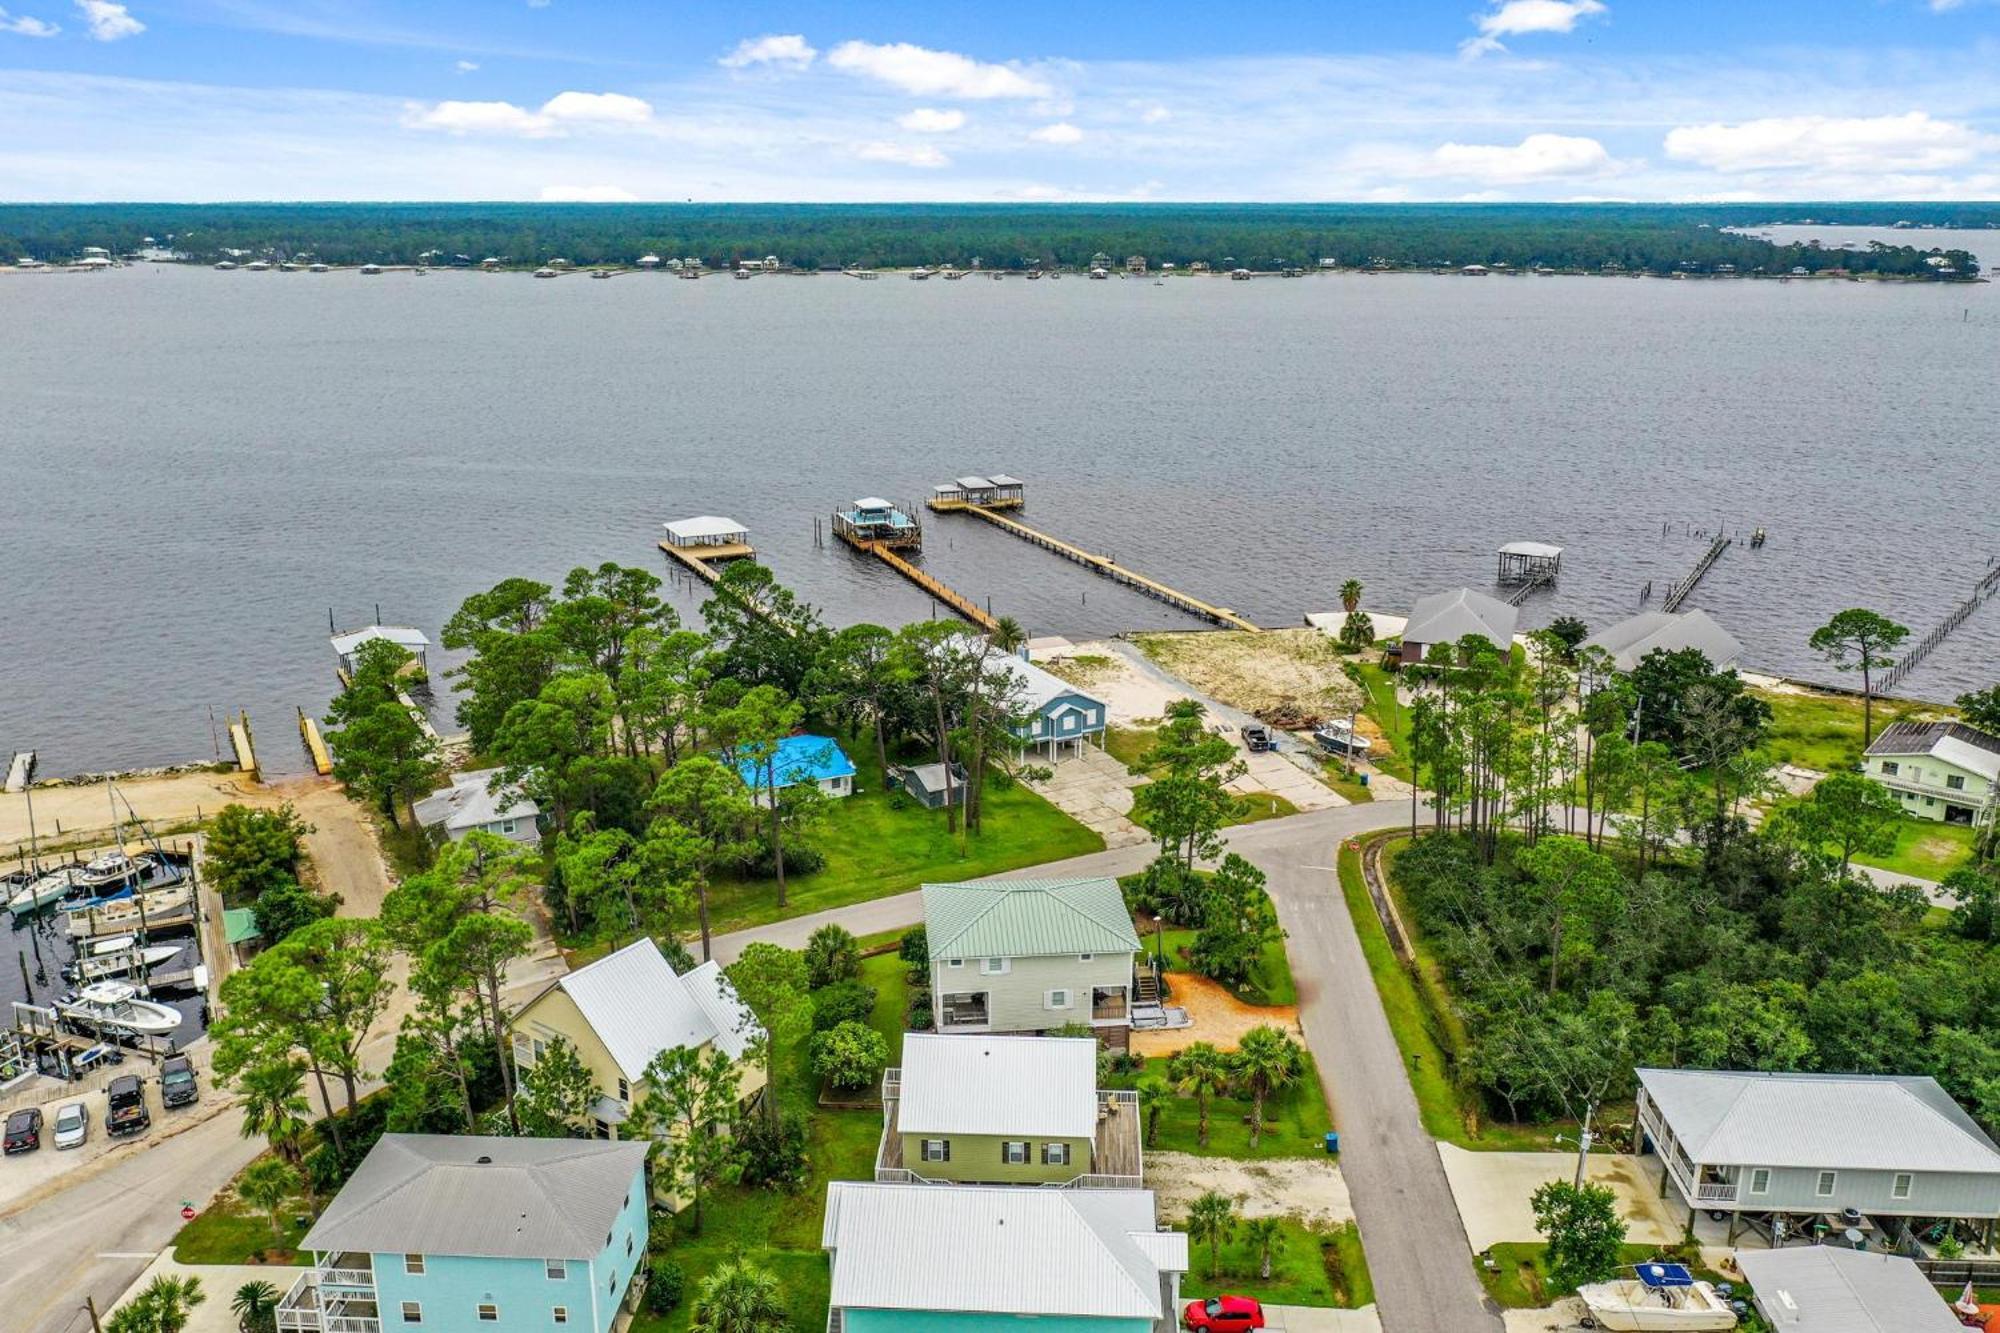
(1492, 1190)
(1096, 791)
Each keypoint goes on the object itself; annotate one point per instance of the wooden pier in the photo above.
(1114, 571)
(322, 762)
(942, 592)
(1982, 591)
(705, 541)
(1678, 593)
(240, 741)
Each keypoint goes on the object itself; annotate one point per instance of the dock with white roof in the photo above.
(705, 541)
(877, 527)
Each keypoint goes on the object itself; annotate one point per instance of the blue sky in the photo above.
(1034, 100)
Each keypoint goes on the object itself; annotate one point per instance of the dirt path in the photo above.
(346, 856)
(1219, 1017)
(1308, 1188)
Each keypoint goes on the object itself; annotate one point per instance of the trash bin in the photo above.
(1332, 1143)
(1364, 779)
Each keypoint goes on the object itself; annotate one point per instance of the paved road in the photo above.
(1417, 1252)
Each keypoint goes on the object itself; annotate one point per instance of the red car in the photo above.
(1223, 1314)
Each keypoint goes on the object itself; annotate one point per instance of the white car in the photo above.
(72, 1125)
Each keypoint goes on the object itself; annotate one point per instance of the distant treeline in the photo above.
(1652, 238)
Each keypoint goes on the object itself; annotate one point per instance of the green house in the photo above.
(1943, 771)
(917, 1259)
(1006, 1111)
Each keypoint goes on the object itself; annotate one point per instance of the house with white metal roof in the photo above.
(462, 1231)
(1062, 718)
(472, 802)
(622, 1010)
(1944, 771)
(1005, 1111)
(1447, 617)
(1765, 1146)
(1832, 1289)
(962, 1260)
(1029, 955)
(1632, 639)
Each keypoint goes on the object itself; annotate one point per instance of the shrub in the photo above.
(915, 948)
(800, 859)
(774, 1150)
(920, 1017)
(849, 1056)
(831, 956)
(842, 1002)
(665, 1287)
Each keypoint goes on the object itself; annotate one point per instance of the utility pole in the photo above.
(90, 1304)
(1583, 1142)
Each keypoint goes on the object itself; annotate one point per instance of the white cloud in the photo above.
(1062, 132)
(108, 21)
(926, 73)
(785, 50)
(587, 194)
(23, 25)
(1945, 6)
(1515, 18)
(1156, 115)
(560, 112)
(1537, 157)
(902, 154)
(1912, 142)
(930, 120)
(466, 66)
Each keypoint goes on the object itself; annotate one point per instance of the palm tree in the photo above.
(1203, 1070)
(1211, 1220)
(1267, 1060)
(1006, 636)
(1267, 1234)
(740, 1298)
(274, 1105)
(1350, 594)
(163, 1305)
(1154, 1094)
(265, 1185)
(255, 1306)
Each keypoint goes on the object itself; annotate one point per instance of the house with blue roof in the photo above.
(818, 760)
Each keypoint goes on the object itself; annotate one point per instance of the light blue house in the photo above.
(1063, 718)
(976, 1258)
(817, 760)
(453, 1232)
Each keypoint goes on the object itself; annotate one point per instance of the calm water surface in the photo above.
(197, 465)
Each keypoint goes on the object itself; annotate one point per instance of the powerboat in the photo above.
(115, 870)
(103, 965)
(39, 893)
(115, 1006)
(1660, 1296)
(101, 917)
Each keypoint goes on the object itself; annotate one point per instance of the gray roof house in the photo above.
(471, 803)
(1631, 639)
(1802, 1145)
(927, 785)
(1945, 771)
(1832, 1289)
(1062, 716)
(1029, 955)
(1074, 1261)
(1447, 617)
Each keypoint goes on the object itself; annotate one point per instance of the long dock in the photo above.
(1114, 571)
(701, 561)
(938, 589)
(1982, 591)
(322, 762)
(1678, 593)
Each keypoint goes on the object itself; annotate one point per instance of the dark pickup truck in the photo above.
(1256, 738)
(125, 1106)
(177, 1085)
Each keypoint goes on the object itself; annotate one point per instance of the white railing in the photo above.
(346, 1277)
(1095, 1181)
(1716, 1192)
(303, 1310)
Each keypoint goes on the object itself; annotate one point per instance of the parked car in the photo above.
(72, 1125)
(177, 1085)
(1257, 738)
(1337, 737)
(125, 1106)
(1223, 1314)
(24, 1130)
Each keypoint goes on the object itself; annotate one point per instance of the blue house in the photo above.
(818, 760)
(462, 1232)
(1064, 718)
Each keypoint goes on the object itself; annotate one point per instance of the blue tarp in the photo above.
(1665, 1275)
(800, 759)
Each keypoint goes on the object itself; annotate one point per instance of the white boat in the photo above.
(116, 1006)
(545, 273)
(116, 870)
(39, 893)
(1662, 1297)
(371, 268)
(316, 268)
(124, 914)
(226, 265)
(101, 966)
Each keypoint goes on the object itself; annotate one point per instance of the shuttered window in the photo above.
(1055, 1154)
(1014, 1154)
(937, 1150)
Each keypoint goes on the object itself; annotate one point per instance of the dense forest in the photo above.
(1653, 238)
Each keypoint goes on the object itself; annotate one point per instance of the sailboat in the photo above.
(115, 1006)
(43, 890)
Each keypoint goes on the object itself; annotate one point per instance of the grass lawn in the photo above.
(227, 1232)
(1823, 731)
(1126, 744)
(1378, 686)
(1295, 1121)
(1334, 773)
(1308, 1267)
(1519, 1279)
(879, 843)
(1926, 849)
(1270, 979)
(1262, 805)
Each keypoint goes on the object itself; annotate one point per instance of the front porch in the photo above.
(964, 1011)
(336, 1298)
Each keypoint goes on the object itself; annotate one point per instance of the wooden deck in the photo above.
(1111, 569)
(322, 762)
(936, 587)
(702, 560)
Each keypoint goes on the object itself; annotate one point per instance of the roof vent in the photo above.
(484, 1160)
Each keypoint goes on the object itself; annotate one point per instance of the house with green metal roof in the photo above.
(1031, 955)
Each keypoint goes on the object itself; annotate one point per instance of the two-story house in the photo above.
(1006, 1111)
(1028, 955)
(1944, 771)
(1062, 718)
(465, 1232)
(1770, 1146)
(910, 1258)
(624, 1009)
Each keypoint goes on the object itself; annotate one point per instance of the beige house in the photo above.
(1029, 955)
(624, 1009)
(1945, 771)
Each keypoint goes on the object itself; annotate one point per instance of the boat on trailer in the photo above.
(1659, 1297)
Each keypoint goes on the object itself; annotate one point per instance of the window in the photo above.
(1889, 768)
(1930, 800)
(1014, 1154)
(1057, 999)
(560, 1314)
(507, 828)
(413, 1264)
(1055, 1154)
(524, 1049)
(954, 962)
(557, 1269)
(937, 1150)
(1900, 1187)
(628, 1245)
(624, 1091)
(1826, 1182)
(1760, 1180)
(413, 1313)
(1085, 957)
(993, 967)
(1955, 781)
(489, 1313)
